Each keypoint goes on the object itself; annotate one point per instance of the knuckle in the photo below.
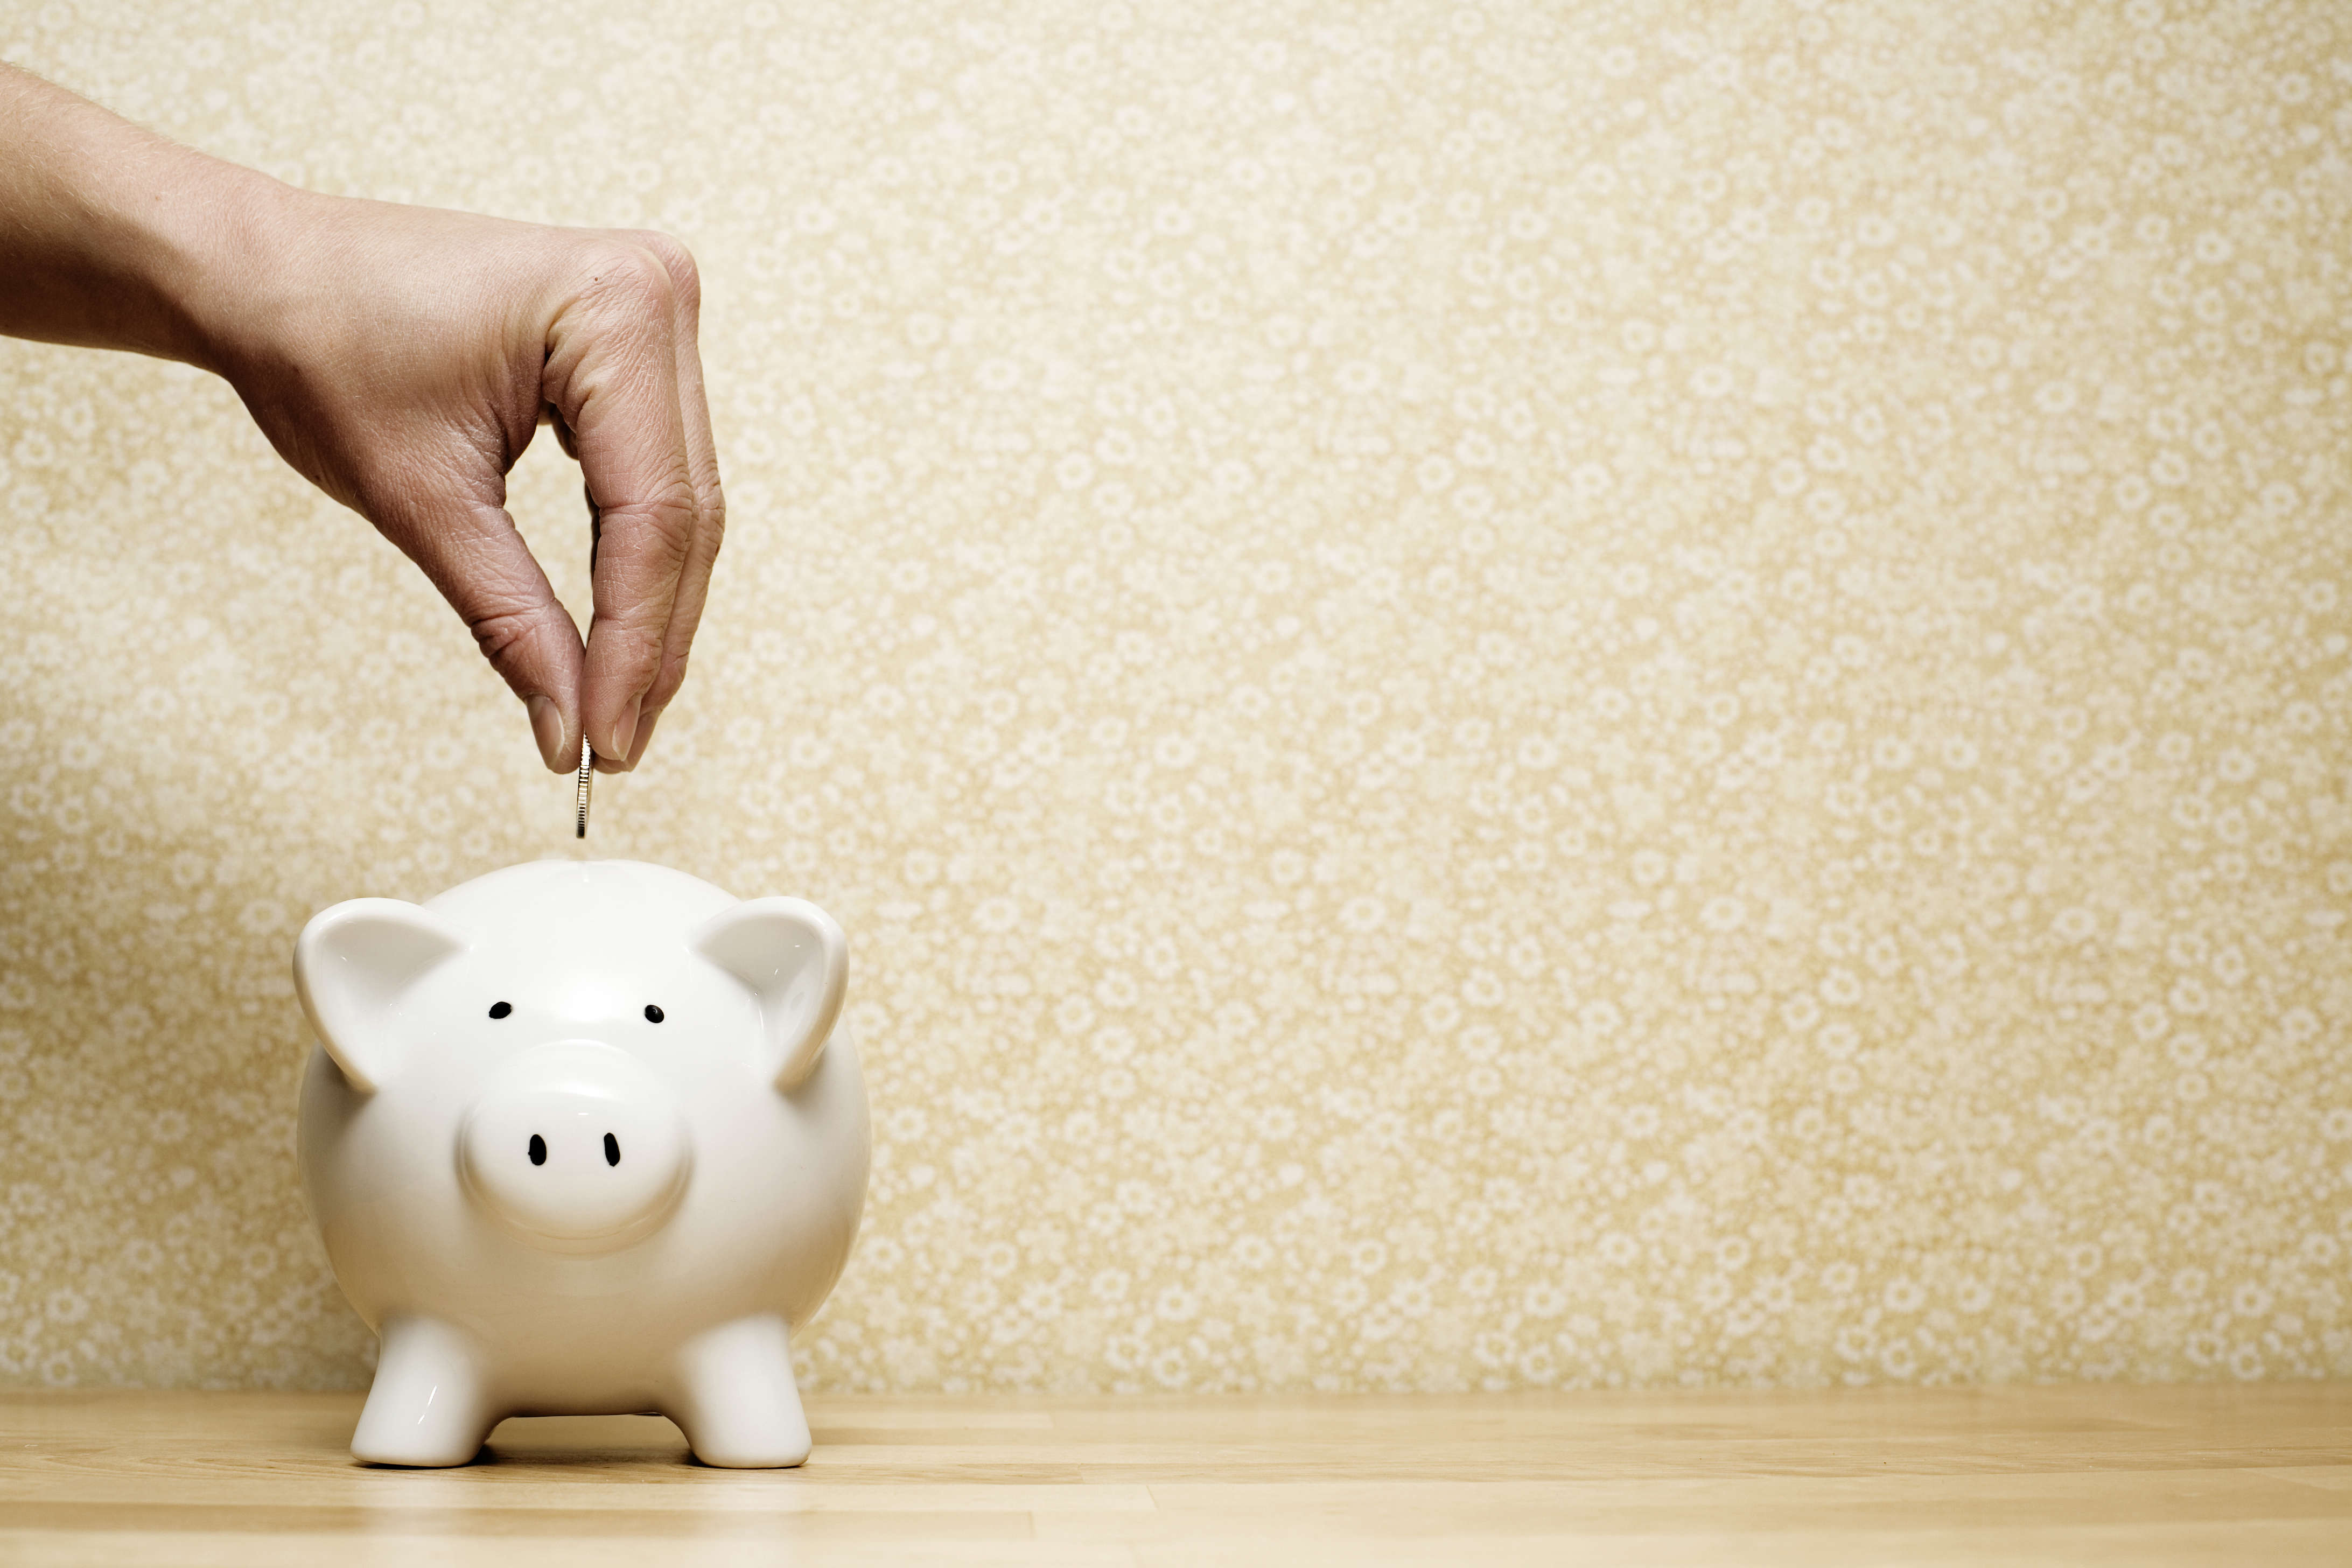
(505, 632)
(631, 648)
(632, 277)
(662, 520)
(678, 262)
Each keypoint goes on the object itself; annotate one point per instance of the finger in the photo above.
(612, 376)
(646, 720)
(471, 552)
(702, 459)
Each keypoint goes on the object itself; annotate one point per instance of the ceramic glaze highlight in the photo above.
(581, 1138)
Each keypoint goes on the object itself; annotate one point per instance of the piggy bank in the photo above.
(581, 1138)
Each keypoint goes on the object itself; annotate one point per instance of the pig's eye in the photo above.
(612, 1150)
(538, 1150)
(500, 1009)
(653, 1014)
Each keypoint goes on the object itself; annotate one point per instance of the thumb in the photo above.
(474, 555)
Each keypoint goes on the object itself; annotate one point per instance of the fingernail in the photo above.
(625, 733)
(547, 729)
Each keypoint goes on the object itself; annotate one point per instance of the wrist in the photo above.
(213, 248)
(111, 237)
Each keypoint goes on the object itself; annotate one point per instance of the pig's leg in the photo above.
(429, 1405)
(735, 1400)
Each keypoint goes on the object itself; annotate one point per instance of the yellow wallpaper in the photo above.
(1497, 697)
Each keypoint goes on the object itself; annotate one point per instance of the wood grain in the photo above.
(2062, 1475)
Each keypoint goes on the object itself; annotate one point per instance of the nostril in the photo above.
(612, 1150)
(539, 1149)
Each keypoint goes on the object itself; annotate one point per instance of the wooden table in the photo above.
(2258, 1474)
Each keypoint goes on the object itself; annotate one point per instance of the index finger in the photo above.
(612, 374)
(711, 505)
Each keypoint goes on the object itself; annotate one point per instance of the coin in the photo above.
(587, 772)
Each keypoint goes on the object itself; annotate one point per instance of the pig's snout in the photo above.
(575, 1147)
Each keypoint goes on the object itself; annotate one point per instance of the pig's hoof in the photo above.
(737, 1402)
(426, 1408)
(783, 1454)
(415, 1456)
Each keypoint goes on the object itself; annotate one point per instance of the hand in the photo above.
(402, 358)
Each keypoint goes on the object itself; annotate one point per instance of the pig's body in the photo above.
(568, 1207)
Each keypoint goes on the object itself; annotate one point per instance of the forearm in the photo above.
(111, 237)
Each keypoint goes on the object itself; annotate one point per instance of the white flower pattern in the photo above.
(1508, 695)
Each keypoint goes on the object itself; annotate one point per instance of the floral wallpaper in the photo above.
(1498, 697)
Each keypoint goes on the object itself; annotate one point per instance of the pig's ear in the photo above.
(796, 961)
(353, 967)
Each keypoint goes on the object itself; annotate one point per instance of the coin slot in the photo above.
(500, 1009)
(612, 1150)
(653, 1014)
(539, 1148)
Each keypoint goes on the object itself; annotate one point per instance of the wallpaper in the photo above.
(1498, 697)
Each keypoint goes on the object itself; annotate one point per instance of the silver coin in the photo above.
(587, 772)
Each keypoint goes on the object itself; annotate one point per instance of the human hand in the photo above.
(402, 359)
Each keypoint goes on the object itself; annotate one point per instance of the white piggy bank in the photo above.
(583, 1139)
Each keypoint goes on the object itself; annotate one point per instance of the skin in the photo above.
(402, 358)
